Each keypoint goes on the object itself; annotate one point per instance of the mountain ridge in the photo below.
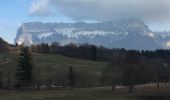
(111, 34)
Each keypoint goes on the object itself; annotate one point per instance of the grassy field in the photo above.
(87, 94)
(57, 61)
(53, 67)
(49, 63)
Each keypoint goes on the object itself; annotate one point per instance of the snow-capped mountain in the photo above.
(127, 33)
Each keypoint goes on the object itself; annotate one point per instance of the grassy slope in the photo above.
(48, 65)
(64, 62)
(57, 61)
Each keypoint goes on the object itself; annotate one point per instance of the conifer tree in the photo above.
(24, 69)
(71, 78)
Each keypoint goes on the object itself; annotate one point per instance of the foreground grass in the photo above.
(87, 94)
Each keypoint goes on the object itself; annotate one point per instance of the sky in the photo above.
(155, 13)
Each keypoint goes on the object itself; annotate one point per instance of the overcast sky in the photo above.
(155, 13)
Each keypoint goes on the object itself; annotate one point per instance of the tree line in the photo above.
(96, 53)
(135, 69)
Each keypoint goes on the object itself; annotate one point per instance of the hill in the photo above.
(3, 45)
(53, 69)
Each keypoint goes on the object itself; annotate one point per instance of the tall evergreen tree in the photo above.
(24, 69)
(71, 77)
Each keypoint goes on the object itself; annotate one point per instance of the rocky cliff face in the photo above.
(128, 33)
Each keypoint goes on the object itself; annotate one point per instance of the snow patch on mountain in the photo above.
(168, 43)
(25, 39)
(44, 35)
(151, 34)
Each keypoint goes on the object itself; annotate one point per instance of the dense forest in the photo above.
(125, 67)
(96, 53)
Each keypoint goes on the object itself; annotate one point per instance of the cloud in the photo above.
(150, 10)
(40, 8)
